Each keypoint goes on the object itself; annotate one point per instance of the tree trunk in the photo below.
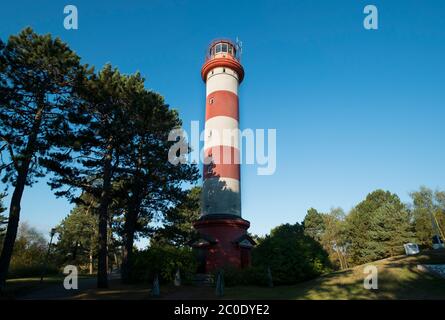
(340, 259)
(91, 260)
(131, 218)
(14, 208)
(102, 270)
(11, 231)
(128, 241)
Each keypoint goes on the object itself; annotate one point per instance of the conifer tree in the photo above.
(100, 141)
(38, 75)
(153, 184)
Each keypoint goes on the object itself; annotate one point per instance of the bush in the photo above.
(29, 254)
(291, 255)
(163, 260)
(35, 270)
(243, 277)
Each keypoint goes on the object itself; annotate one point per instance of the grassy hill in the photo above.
(398, 278)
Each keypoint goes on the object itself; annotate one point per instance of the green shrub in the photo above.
(29, 254)
(23, 271)
(291, 255)
(243, 277)
(163, 260)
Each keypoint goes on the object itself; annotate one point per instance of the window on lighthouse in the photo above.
(224, 47)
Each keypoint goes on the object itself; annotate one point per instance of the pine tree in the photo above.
(77, 233)
(377, 227)
(153, 184)
(37, 77)
(314, 224)
(101, 138)
(178, 221)
(390, 230)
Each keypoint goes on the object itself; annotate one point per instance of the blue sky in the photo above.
(355, 110)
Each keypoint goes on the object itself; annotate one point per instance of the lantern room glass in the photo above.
(222, 48)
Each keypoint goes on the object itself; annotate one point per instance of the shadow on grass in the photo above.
(398, 278)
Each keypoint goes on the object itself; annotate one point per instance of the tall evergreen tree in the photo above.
(390, 230)
(37, 77)
(100, 141)
(377, 227)
(314, 224)
(77, 233)
(152, 184)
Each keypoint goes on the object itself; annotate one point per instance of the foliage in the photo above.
(38, 75)
(292, 256)
(178, 221)
(314, 224)
(154, 185)
(378, 227)
(254, 275)
(120, 155)
(163, 260)
(329, 230)
(29, 253)
(427, 203)
(77, 234)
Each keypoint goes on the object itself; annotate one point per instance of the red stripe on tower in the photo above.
(222, 103)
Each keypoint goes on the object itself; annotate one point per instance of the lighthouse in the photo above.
(223, 239)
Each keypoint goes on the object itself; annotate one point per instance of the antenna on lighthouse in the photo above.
(239, 46)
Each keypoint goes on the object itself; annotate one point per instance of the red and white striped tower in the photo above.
(223, 233)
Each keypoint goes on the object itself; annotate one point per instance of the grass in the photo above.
(398, 278)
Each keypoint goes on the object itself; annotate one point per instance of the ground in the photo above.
(398, 278)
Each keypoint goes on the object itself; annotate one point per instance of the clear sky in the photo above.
(354, 109)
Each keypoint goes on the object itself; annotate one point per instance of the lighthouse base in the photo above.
(223, 242)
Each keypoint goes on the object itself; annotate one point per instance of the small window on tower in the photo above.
(224, 69)
(211, 101)
(224, 47)
(218, 48)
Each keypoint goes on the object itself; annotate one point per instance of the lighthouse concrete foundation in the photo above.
(223, 242)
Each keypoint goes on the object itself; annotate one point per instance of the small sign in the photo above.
(411, 249)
